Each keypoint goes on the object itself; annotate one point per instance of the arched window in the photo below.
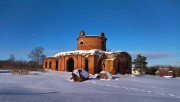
(81, 42)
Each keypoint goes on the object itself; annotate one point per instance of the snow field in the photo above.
(57, 87)
(134, 89)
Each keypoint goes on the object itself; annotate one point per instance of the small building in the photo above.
(166, 72)
(136, 72)
(92, 56)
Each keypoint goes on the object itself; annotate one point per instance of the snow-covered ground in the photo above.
(56, 87)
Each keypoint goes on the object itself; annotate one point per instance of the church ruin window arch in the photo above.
(81, 42)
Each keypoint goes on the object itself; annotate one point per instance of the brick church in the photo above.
(92, 56)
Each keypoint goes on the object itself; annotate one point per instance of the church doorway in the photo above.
(86, 65)
(119, 67)
(99, 66)
(127, 67)
(50, 65)
(70, 65)
(57, 63)
(46, 65)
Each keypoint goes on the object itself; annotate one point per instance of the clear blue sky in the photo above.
(147, 27)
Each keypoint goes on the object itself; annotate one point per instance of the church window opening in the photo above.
(81, 42)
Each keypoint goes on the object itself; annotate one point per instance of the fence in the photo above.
(20, 72)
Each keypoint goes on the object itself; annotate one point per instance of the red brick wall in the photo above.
(48, 60)
(93, 63)
(91, 42)
(79, 62)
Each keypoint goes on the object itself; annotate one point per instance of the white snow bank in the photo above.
(5, 72)
(168, 76)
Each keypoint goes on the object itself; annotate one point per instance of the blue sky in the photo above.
(147, 27)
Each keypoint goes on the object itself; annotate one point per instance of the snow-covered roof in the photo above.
(89, 52)
(86, 52)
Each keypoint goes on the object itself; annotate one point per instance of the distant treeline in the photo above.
(8, 64)
(36, 57)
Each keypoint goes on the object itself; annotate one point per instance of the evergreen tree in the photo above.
(140, 62)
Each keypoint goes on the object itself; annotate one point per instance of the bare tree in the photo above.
(37, 56)
(11, 58)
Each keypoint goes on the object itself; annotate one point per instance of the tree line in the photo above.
(140, 63)
(36, 57)
(35, 62)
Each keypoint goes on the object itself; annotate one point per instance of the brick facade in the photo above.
(92, 56)
(91, 42)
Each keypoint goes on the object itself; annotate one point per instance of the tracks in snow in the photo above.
(135, 89)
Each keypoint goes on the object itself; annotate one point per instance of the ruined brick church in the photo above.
(92, 56)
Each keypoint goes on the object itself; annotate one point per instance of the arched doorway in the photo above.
(123, 68)
(127, 67)
(57, 63)
(99, 66)
(119, 67)
(86, 65)
(70, 65)
(50, 64)
(46, 65)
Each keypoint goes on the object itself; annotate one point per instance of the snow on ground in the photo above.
(56, 87)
